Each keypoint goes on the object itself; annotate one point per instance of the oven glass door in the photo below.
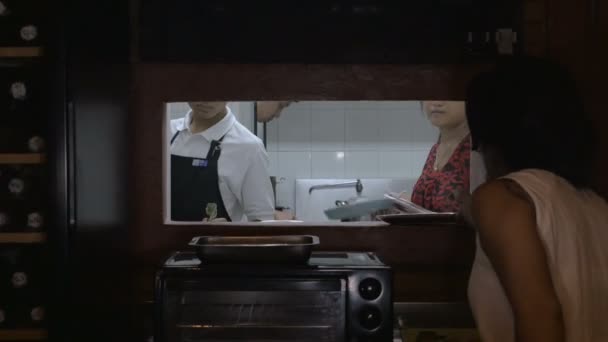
(259, 309)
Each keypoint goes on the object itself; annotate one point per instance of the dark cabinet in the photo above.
(272, 31)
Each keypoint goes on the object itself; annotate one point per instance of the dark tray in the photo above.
(422, 219)
(285, 249)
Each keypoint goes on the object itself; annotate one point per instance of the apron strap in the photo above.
(215, 148)
(174, 137)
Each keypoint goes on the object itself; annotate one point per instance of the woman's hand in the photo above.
(283, 215)
(404, 196)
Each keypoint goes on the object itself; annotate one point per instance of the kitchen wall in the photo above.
(340, 140)
(358, 139)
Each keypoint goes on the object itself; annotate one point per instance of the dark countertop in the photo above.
(433, 315)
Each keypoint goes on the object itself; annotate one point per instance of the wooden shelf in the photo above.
(22, 158)
(23, 335)
(20, 52)
(22, 238)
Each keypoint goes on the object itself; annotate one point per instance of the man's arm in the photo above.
(258, 198)
(506, 220)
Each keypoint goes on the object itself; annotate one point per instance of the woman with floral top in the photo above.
(445, 176)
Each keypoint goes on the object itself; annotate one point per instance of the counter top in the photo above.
(433, 315)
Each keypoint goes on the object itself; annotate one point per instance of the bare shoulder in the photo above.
(508, 234)
(501, 189)
(500, 201)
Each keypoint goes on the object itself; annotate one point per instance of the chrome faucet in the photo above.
(356, 184)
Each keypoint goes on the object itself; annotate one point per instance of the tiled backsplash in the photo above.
(350, 139)
(341, 139)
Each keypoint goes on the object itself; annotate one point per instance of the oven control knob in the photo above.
(370, 289)
(370, 317)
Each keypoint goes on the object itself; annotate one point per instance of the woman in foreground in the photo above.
(541, 269)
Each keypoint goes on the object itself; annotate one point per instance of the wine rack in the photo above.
(20, 52)
(22, 238)
(23, 184)
(22, 158)
(23, 335)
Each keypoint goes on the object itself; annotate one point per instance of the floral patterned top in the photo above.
(440, 190)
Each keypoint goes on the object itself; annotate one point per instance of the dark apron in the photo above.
(195, 188)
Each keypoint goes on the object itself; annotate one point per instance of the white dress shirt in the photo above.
(244, 179)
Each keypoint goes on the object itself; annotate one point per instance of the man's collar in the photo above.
(215, 132)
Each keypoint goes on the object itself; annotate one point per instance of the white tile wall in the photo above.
(395, 164)
(348, 140)
(394, 128)
(177, 110)
(327, 164)
(361, 164)
(362, 130)
(291, 165)
(418, 158)
(272, 135)
(294, 133)
(273, 158)
(327, 129)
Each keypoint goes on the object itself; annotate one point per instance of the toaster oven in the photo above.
(336, 296)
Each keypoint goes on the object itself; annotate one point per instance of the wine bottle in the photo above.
(18, 90)
(6, 315)
(5, 220)
(3, 10)
(24, 270)
(8, 260)
(29, 214)
(24, 183)
(2, 316)
(29, 312)
(36, 144)
(20, 279)
(21, 216)
(35, 221)
(5, 205)
(20, 93)
(19, 25)
(29, 309)
(37, 315)
(18, 187)
(22, 139)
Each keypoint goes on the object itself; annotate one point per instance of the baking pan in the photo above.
(284, 249)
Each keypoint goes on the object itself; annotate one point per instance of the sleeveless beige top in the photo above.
(573, 227)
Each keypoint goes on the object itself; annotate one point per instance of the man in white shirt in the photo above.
(219, 169)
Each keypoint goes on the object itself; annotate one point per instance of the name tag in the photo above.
(199, 162)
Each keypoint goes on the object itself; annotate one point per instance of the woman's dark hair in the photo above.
(529, 111)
